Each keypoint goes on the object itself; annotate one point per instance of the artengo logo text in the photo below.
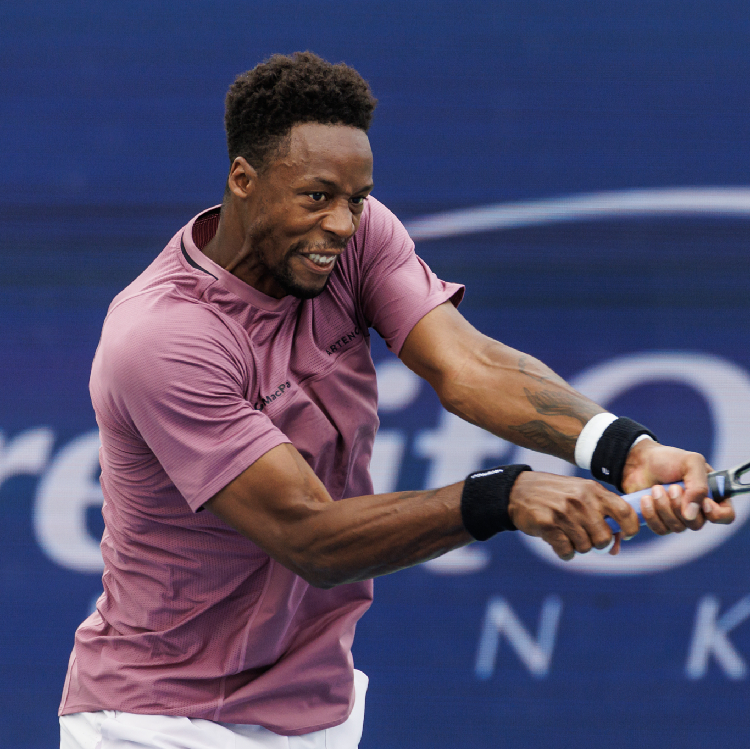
(264, 401)
(344, 341)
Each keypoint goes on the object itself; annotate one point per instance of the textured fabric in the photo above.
(611, 452)
(485, 499)
(116, 729)
(588, 438)
(196, 376)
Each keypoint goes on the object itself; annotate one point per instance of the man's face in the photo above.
(304, 209)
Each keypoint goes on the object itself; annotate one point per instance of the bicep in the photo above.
(272, 502)
(444, 349)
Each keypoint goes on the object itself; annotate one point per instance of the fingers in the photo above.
(695, 476)
(650, 513)
(569, 513)
(668, 508)
(572, 539)
(560, 544)
(566, 538)
(695, 507)
(624, 514)
(618, 543)
(583, 523)
(718, 512)
(662, 511)
(567, 544)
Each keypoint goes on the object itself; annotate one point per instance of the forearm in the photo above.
(364, 537)
(517, 397)
(281, 505)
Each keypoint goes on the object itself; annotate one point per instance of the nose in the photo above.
(339, 220)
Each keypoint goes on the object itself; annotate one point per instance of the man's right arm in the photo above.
(281, 505)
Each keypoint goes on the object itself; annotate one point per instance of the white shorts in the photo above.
(113, 729)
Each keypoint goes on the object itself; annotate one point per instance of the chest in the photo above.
(313, 376)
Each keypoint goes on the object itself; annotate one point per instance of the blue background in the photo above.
(111, 130)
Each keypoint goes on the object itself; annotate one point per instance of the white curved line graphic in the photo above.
(711, 201)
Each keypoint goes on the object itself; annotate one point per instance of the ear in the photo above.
(242, 178)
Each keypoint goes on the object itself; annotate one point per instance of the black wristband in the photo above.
(485, 498)
(611, 452)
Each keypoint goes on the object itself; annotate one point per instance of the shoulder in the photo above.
(381, 240)
(158, 331)
(380, 225)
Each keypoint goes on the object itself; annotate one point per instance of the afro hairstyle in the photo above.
(264, 104)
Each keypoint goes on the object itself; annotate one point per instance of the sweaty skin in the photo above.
(281, 231)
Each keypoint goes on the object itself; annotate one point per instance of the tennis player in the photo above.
(236, 400)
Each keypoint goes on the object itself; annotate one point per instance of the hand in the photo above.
(650, 464)
(568, 512)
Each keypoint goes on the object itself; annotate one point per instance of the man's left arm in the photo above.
(517, 397)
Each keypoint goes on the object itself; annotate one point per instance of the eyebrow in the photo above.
(331, 184)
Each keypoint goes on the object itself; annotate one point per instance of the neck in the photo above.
(232, 248)
(225, 248)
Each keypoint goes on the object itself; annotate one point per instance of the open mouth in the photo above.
(319, 262)
(322, 260)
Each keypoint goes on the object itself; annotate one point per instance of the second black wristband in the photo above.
(485, 499)
(611, 452)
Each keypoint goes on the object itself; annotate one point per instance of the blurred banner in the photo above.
(581, 167)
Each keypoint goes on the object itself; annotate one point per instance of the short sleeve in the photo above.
(177, 377)
(397, 288)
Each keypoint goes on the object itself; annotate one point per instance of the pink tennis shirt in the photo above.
(196, 376)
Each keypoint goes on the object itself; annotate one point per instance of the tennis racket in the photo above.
(721, 486)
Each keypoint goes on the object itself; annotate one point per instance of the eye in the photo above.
(317, 196)
(359, 200)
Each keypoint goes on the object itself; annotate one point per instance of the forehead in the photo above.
(316, 150)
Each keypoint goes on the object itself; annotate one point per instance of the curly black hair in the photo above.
(264, 104)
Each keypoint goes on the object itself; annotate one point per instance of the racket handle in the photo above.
(719, 489)
(634, 501)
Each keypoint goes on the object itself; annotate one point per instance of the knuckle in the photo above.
(659, 528)
(551, 538)
(560, 544)
(574, 506)
(674, 520)
(592, 487)
(663, 503)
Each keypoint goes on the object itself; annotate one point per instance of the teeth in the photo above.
(321, 260)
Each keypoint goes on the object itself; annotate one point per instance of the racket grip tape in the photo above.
(718, 488)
